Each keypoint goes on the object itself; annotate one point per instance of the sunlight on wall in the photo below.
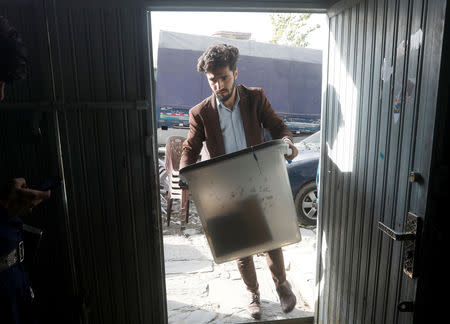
(323, 264)
(341, 140)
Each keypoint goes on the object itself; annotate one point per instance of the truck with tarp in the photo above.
(290, 76)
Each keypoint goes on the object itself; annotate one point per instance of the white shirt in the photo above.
(231, 126)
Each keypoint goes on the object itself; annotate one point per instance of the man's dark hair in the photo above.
(218, 56)
(13, 58)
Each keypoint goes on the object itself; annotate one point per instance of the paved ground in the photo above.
(200, 291)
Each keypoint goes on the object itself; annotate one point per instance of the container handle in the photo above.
(288, 150)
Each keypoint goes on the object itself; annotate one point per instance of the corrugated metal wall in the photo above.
(377, 126)
(88, 93)
(103, 70)
(83, 114)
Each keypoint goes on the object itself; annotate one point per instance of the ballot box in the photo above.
(244, 201)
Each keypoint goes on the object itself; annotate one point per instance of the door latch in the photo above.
(410, 237)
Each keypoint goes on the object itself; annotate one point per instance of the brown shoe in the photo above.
(254, 308)
(287, 297)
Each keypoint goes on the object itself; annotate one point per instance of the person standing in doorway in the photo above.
(16, 199)
(231, 119)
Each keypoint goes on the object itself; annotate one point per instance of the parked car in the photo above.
(302, 173)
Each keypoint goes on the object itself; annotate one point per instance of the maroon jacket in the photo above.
(204, 124)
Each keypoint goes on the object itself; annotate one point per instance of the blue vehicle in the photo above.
(302, 173)
(290, 76)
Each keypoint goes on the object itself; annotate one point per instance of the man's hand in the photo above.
(21, 199)
(292, 147)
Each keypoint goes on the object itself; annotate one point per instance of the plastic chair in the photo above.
(174, 147)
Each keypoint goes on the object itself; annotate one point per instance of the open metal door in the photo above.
(101, 68)
(85, 113)
(378, 119)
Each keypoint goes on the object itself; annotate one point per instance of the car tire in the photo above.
(306, 205)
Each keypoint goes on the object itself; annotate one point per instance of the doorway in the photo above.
(198, 289)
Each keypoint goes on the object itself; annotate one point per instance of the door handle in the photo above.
(411, 238)
(396, 236)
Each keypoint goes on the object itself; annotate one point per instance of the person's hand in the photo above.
(293, 149)
(21, 199)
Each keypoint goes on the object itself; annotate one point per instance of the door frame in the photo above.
(250, 6)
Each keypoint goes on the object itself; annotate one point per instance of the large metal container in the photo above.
(244, 201)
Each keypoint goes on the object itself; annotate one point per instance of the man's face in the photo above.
(222, 82)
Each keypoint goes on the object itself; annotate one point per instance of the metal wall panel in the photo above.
(112, 211)
(102, 62)
(376, 126)
(89, 94)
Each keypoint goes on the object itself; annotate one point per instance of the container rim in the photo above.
(224, 157)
